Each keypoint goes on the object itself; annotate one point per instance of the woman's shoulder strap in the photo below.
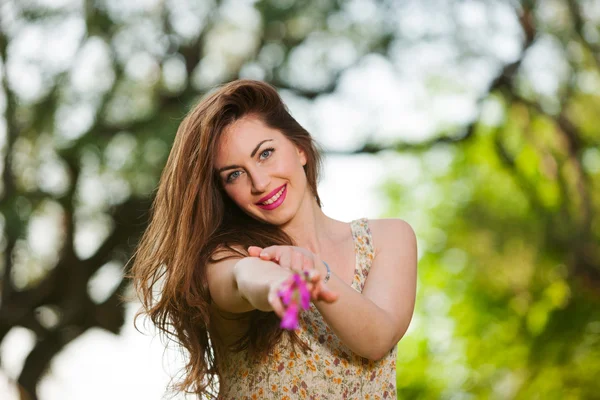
(363, 244)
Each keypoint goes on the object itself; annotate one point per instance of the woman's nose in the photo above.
(260, 181)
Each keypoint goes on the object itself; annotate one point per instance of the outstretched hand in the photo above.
(297, 260)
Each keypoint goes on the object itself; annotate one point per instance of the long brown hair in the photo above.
(193, 222)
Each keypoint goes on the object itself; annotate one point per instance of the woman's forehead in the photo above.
(241, 138)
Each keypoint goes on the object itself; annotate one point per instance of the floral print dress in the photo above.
(330, 371)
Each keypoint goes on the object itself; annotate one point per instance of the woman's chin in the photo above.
(279, 216)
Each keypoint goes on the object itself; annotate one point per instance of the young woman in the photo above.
(236, 213)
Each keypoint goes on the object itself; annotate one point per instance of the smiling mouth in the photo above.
(273, 198)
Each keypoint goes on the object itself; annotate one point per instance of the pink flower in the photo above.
(294, 293)
(290, 318)
(304, 295)
(286, 293)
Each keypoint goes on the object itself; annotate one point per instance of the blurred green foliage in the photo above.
(504, 202)
(504, 308)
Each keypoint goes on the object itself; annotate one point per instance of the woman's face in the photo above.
(261, 170)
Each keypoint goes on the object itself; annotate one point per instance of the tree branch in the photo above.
(577, 19)
(129, 222)
(38, 360)
(12, 224)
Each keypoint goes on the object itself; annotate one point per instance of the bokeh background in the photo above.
(476, 121)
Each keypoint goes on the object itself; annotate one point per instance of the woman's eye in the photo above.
(266, 154)
(232, 176)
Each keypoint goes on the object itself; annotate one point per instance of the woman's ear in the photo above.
(302, 156)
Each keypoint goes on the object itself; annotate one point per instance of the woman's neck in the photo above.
(310, 228)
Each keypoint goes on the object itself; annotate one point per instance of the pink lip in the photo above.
(267, 197)
(277, 203)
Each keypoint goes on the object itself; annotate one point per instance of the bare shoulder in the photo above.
(222, 260)
(224, 252)
(393, 234)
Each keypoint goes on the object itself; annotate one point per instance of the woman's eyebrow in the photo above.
(251, 155)
(258, 145)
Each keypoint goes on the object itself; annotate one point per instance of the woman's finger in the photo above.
(315, 293)
(254, 251)
(285, 259)
(307, 264)
(275, 301)
(272, 253)
(322, 292)
(314, 276)
(326, 295)
(297, 262)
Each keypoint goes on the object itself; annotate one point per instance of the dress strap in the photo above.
(364, 250)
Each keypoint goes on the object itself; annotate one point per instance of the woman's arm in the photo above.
(244, 284)
(257, 281)
(371, 323)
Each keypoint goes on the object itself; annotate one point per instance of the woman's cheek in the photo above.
(236, 196)
(285, 167)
